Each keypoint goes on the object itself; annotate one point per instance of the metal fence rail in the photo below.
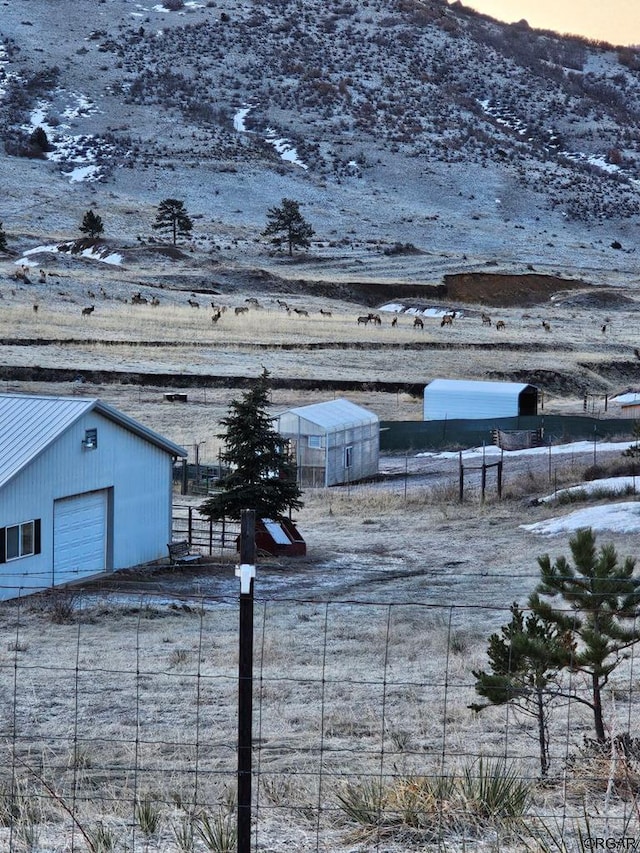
(202, 533)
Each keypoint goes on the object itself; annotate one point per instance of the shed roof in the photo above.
(29, 424)
(334, 413)
(477, 386)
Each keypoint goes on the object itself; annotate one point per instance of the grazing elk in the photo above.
(251, 300)
(301, 312)
(546, 326)
(155, 301)
(194, 303)
(375, 319)
(500, 325)
(215, 317)
(89, 310)
(283, 304)
(240, 309)
(418, 323)
(363, 320)
(325, 313)
(447, 320)
(138, 299)
(486, 319)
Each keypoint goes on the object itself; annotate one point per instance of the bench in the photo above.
(179, 553)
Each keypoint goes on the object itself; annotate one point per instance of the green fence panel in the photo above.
(402, 436)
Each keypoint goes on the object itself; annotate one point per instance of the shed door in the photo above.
(79, 536)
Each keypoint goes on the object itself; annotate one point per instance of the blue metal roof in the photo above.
(29, 424)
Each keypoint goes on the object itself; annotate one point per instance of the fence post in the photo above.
(190, 526)
(246, 571)
(460, 478)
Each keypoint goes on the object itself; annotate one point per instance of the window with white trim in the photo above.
(348, 457)
(21, 540)
(315, 441)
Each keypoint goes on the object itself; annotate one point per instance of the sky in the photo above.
(616, 21)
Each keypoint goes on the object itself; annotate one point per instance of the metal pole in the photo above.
(246, 571)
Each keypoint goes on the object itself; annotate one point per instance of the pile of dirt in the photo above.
(505, 290)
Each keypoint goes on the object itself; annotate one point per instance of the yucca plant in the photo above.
(218, 832)
(492, 790)
(148, 816)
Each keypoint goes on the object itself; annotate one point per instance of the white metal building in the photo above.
(84, 490)
(453, 399)
(333, 442)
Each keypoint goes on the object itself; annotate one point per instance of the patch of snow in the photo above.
(617, 518)
(555, 449)
(610, 484)
(98, 254)
(284, 148)
(84, 173)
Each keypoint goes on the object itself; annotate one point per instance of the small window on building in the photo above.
(348, 457)
(90, 441)
(315, 441)
(20, 540)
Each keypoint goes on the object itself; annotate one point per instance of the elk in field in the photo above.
(546, 326)
(500, 325)
(301, 312)
(283, 304)
(394, 322)
(194, 303)
(88, 310)
(251, 300)
(215, 317)
(43, 277)
(447, 320)
(486, 319)
(240, 309)
(418, 323)
(375, 319)
(35, 308)
(155, 302)
(138, 299)
(325, 313)
(363, 320)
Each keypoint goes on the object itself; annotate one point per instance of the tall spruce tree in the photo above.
(285, 224)
(92, 224)
(597, 602)
(262, 476)
(525, 660)
(172, 216)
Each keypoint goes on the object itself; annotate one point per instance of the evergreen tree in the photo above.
(39, 142)
(92, 224)
(634, 449)
(3, 240)
(525, 659)
(285, 224)
(262, 476)
(597, 602)
(172, 216)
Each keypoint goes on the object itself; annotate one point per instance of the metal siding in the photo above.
(453, 399)
(138, 471)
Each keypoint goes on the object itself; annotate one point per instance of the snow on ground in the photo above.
(617, 518)
(575, 447)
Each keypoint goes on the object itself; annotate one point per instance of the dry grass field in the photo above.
(119, 713)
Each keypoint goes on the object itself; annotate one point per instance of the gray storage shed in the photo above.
(84, 490)
(463, 399)
(332, 443)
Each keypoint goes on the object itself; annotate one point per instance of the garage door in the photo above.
(79, 536)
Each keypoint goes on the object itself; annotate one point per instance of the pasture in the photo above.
(122, 706)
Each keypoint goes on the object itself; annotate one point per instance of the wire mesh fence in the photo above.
(119, 722)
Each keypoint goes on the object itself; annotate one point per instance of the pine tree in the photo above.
(262, 476)
(597, 602)
(172, 216)
(634, 449)
(3, 240)
(92, 224)
(525, 659)
(285, 224)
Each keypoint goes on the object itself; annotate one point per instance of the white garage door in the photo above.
(79, 536)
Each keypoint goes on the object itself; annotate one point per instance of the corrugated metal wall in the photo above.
(140, 474)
